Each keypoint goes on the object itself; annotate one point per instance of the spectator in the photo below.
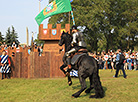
(5, 47)
(125, 64)
(4, 44)
(29, 50)
(19, 48)
(129, 62)
(5, 64)
(14, 45)
(105, 61)
(40, 50)
(100, 62)
(112, 60)
(119, 63)
(35, 48)
(24, 46)
(135, 62)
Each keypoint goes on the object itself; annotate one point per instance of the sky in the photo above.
(21, 14)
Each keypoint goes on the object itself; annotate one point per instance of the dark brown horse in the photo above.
(87, 67)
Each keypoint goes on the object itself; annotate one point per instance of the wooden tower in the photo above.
(51, 36)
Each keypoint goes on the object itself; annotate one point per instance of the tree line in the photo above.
(11, 36)
(106, 24)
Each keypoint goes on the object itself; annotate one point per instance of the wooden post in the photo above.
(39, 6)
(27, 36)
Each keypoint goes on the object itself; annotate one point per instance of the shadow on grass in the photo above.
(78, 86)
(93, 92)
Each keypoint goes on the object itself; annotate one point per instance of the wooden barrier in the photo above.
(24, 65)
(35, 66)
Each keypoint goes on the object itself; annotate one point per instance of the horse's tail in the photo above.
(99, 92)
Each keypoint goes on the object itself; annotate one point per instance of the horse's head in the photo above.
(63, 38)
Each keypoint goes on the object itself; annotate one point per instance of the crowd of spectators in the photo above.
(108, 60)
(105, 60)
(33, 47)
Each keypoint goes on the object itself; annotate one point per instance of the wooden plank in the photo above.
(45, 65)
(60, 56)
(31, 65)
(18, 63)
(55, 65)
(36, 65)
(59, 63)
(12, 59)
(25, 67)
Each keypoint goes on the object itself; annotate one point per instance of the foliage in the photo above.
(39, 42)
(8, 37)
(113, 22)
(1, 38)
(57, 89)
(11, 36)
(14, 36)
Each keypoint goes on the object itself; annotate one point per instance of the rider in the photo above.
(77, 43)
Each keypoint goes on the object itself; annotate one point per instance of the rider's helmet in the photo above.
(74, 27)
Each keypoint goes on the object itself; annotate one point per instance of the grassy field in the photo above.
(57, 89)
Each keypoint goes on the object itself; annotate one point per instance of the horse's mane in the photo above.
(68, 40)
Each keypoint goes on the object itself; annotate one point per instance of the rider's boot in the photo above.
(69, 59)
(69, 62)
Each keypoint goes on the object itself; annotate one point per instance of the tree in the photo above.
(113, 22)
(11, 36)
(130, 29)
(8, 37)
(39, 42)
(1, 38)
(14, 36)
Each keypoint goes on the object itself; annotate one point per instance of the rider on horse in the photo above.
(77, 44)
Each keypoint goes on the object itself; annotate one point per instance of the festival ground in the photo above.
(57, 89)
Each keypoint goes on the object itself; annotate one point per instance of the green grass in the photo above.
(57, 89)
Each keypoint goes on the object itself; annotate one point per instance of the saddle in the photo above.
(75, 57)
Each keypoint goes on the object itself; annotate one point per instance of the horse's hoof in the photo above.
(95, 96)
(70, 83)
(92, 96)
(75, 96)
(87, 91)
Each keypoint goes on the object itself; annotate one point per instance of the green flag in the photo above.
(55, 7)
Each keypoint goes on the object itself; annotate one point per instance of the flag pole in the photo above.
(69, 17)
(72, 15)
(72, 18)
(39, 6)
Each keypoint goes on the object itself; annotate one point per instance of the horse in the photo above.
(87, 67)
(67, 48)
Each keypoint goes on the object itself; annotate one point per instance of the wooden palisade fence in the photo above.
(24, 65)
(32, 65)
